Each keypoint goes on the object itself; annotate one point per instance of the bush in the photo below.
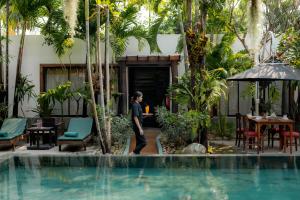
(179, 128)
(120, 129)
(222, 128)
(3, 112)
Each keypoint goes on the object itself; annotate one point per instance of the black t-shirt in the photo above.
(137, 112)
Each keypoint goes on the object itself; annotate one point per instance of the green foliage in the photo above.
(281, 15)
(45, 104)
(180, 128)
(3, 112)
(121, 129)
(46, 100)
(123, 26)
(207, 91)
(61, 93)
(24, 88)
(222, 56)
(273, 95)
(231, 18)
(56, 32)
(289, 47)
(79, 94)
(222, 128)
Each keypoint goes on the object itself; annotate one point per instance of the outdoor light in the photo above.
(147, 107)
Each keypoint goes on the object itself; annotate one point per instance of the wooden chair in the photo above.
(286, 139)
(12, 131)
(49, 122)
(250, 135)
(273, 131)
(239, 131)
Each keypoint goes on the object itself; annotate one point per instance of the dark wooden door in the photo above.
(153, 82)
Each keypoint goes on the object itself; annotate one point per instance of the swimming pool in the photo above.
(151, 177)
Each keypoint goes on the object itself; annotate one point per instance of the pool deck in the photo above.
(149, 150)
(151, 147)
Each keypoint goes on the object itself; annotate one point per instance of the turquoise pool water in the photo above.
(34, 181)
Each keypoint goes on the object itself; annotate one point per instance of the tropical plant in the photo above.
(207, 93)
(180, 128)
(56, 32)
(2, 3)
(281, 15)
(80, 94)
(222, 128)
(45, 104)
(121, 129)
(28, 12)
(221, 56)
(3, 112)
(23, 89)
(289, 47)
(101, 139)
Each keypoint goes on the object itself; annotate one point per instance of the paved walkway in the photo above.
(151, 148)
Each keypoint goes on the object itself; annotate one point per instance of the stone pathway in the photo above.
(151, 148)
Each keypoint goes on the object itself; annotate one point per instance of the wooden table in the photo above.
(147, 114)
(36, 133)
(272, 121)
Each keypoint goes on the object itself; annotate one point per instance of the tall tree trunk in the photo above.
(108, 126)
(7, 52)
(19, 65)
(189, 5)
(185, 51)
(102, 105)
(87, 25)
(196, 43)
(197, 10)
(1, 56)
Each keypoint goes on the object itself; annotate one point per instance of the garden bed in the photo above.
(217, 147)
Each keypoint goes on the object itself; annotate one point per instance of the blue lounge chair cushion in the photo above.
(14, 127)
(3, 134)
(82, 126)
(71, 134)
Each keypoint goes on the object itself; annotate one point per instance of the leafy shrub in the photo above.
(222, 128)
(179, 128)
(120, 129)
(3, 112)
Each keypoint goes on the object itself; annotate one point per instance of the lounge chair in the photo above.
(78, 133)
(12, 130)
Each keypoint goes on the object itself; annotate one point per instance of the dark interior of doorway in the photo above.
(153, 82)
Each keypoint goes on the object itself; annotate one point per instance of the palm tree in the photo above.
(98, 49)
(29, 12)
(87, 15)
(2, 3)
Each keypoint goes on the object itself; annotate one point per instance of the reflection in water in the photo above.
(112, 183)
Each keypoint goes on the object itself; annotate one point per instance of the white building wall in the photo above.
(36, 53)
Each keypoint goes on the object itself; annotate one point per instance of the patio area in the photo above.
(149, 99)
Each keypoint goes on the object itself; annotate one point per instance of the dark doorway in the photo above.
(153, 82)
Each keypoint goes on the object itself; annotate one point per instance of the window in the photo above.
(53, 75)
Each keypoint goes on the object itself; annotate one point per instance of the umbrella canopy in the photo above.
(268, 71)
